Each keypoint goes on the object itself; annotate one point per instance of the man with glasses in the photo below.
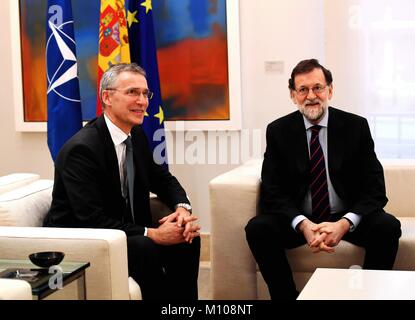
(103, 177)
(321, 183)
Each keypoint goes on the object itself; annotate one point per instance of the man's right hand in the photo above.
(315, 240)
(168, 233)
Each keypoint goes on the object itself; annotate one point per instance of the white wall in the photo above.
(287, 31)
(270, 30)
(342, 52)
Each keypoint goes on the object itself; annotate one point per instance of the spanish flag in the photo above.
(113, 39)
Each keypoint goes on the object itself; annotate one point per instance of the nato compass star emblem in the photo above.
(61, 61)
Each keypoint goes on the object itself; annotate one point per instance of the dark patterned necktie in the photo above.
(319, 191)
(129, 173)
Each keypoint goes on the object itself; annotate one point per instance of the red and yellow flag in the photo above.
(113, 39)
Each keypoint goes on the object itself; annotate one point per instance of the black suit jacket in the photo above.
(355, 171)
(87, 188)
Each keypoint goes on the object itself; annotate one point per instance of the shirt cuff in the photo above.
(145, 232)
(354, 219)
(297, 220)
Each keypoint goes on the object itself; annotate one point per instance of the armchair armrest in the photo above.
(233, 202)
(13, 289)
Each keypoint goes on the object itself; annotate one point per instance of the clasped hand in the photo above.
(324, 236)
(178, 227)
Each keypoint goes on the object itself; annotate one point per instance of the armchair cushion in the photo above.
(16, 180)
(27, 205)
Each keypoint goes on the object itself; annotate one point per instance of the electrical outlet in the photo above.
(274, 66)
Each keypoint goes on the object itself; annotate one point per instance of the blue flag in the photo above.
(143, 52)
(64, 104)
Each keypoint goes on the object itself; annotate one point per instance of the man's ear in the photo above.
(292, 96)
(330, 91)
(106, 97)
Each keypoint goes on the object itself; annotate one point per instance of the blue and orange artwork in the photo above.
(191, 38)
(192, 55)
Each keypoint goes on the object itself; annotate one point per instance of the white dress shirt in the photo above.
(118, 137)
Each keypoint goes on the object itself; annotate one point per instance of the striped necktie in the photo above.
(319, 191)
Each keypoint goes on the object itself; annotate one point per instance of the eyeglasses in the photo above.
(317, 89)
(135, 92)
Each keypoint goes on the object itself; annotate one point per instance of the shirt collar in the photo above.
(117, 135)
(323, 122)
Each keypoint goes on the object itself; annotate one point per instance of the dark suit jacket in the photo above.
(87, 189)
(355, 171)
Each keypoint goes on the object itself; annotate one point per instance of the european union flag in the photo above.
(143, 52)
(64, 104)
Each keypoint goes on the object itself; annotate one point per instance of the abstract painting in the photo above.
(195, 63)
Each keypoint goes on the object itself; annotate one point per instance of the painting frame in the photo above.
(234, 79)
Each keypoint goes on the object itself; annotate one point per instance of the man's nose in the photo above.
(311, 95)
(141, 98)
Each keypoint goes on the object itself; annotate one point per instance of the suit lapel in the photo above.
(110, 154)
(299, 143)
(141, 184)
(139, 159)
(335, 140)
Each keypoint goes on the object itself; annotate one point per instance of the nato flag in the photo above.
(64, 104)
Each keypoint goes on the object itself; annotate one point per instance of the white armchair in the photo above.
(234, 198)
(24, 201)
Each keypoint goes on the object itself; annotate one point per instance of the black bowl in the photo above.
(47, 258)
